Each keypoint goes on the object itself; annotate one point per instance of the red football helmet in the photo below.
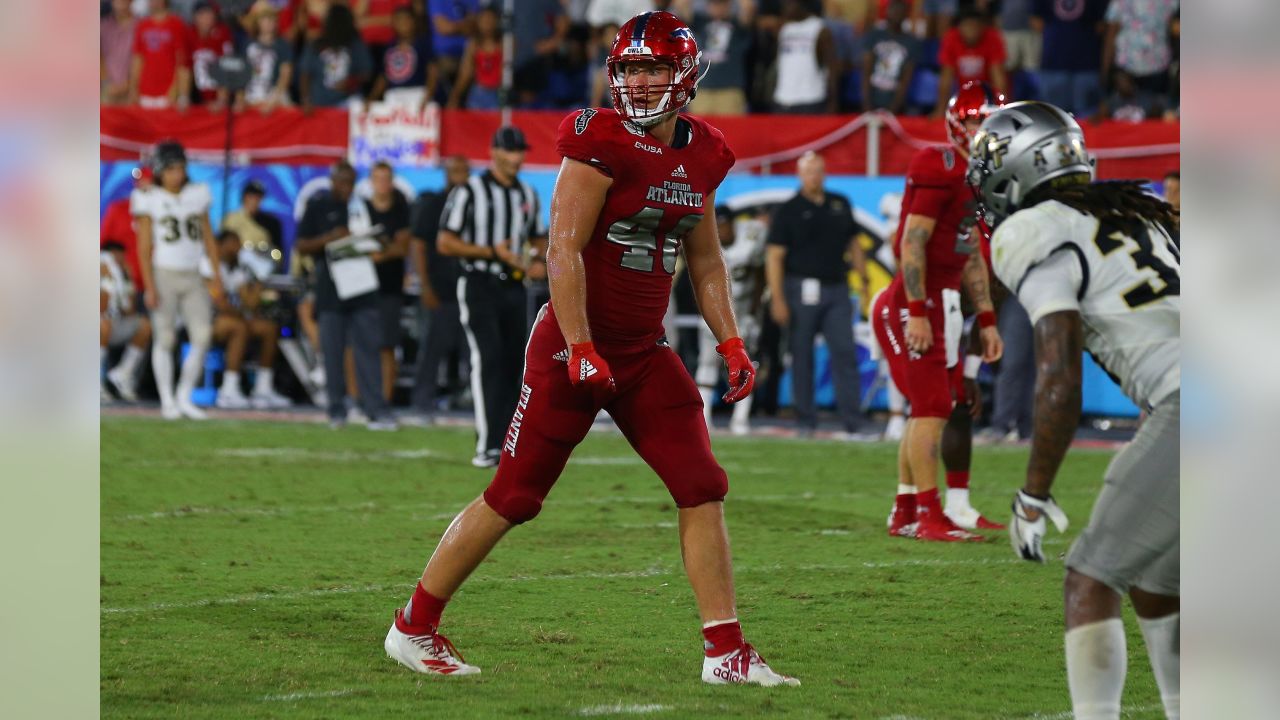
(657, 37)
(974, 100)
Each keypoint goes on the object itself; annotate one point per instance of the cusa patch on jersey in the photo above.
(580, 124)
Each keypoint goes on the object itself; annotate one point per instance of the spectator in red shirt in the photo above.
(971, 50)
(373, 17)
(160, 76)
(116, 46)
(209, 39)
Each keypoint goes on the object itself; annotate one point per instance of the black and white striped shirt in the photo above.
(484, 212)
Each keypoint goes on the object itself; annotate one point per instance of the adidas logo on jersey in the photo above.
(679, 172)
(562, 356)
(585, 370)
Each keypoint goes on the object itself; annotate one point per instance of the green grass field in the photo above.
(250, 570)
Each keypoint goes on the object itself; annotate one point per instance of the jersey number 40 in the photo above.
(639, 235)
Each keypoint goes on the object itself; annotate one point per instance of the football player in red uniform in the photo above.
(917, 318)
(637, 183)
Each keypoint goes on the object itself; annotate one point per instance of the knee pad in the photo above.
(710, 485)
(515, 505)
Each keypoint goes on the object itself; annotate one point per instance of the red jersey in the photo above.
(205, 52)
(972, 63)
(936, 188)
(162, 43)
(659, 194)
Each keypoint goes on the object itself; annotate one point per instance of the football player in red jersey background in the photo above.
(637, 183)
(937, 246)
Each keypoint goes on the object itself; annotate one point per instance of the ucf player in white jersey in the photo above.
(1096, 269)
(173, 233)
(742, 242)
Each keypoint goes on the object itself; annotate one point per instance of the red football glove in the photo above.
(742, 374)
(588, 370)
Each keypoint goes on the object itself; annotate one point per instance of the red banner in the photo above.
(762, 143)
(283, 136)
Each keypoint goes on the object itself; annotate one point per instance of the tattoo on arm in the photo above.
(975, 282)
(913, 262)
(1058, 346)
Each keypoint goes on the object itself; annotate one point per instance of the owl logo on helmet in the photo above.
(975, 100)
(657, 37)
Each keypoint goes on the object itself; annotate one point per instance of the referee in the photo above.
(490, 224)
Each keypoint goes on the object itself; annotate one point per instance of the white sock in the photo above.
(742, 410)
(713, 623)
(129, 362)
(264, 383)
(230, 381)
(162, 368)
(1096, 665)
(192, 369)
(708, 397)
(958, 498)
(906, 489)
(1161, 636)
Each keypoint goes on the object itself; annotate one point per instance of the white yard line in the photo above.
(652, 571)
(622, 709)
(188, 511)
(293, 697)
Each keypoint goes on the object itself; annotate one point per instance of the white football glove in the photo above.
(1026, 534)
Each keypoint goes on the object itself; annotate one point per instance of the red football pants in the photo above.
(657, 408)
(922, 378)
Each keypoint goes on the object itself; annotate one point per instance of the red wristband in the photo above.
(917, 308)
(986, 319)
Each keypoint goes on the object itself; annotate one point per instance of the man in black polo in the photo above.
(439, 328)
(812, 241)
(353, 320)
(488, 224)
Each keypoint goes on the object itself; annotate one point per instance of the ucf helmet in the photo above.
(166, 153)
(1020, 147)
(656, 37)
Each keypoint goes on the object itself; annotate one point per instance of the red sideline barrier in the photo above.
(284, 136)
(762, 143)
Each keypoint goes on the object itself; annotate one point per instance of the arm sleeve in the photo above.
(203, 198)
(1052, 285)
(584, 136)
(454, 216)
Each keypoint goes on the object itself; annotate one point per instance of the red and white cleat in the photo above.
(429, 653)
(941, 529)
(902, 519)
(743, 666)
(970, 519)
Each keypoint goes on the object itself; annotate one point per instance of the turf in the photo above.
(250, 570)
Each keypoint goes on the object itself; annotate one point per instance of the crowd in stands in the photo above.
(1097, 58)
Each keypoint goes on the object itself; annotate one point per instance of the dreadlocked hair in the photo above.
(1119, 201)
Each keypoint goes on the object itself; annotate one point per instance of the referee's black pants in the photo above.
(492, 311)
